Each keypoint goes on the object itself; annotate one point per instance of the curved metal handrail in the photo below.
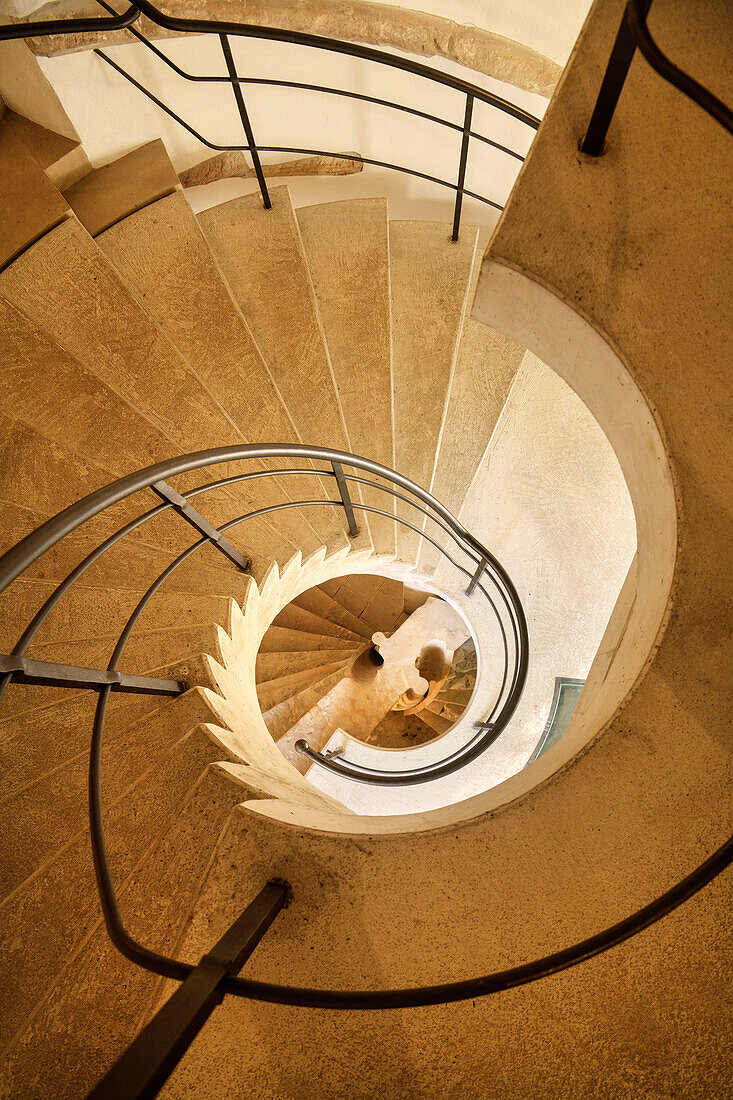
(19, 558)
(633, 33)
(40, 541)
(471, 92)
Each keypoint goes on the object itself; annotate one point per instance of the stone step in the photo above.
(320, 603)
(282, 717)
(272, 666)
(42, 729)
(66, 285)
(179, 284)
(273, 289)
(35, 830)
(86, 612)
(486, 366)
(461, 696)
(435, 721)
(278, 691)
(377, 601)
(430, 284)
(347, 248)
(281, 639)
(299, 618)
(167, 868)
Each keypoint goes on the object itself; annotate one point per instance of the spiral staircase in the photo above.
(133, 332)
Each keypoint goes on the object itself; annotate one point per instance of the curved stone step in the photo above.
(347, 249)
(281, 639)
(65, 284)
(277, 691)
(430, 280)
(289, 336)
(486, 365)
(436, 721)
(165, 860)
(320, 603)
(282, 717)
(32, 835)
(271, 666)
(299, 618)
(377, 601)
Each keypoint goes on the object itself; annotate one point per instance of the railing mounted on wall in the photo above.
(470, 93)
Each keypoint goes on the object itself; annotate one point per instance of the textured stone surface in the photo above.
(430, 283)
(347, 249)
(110, 193)
(288, 335)
(180, 285)
(373, 23)
(30, 205)
(486, 366)
(233, 165)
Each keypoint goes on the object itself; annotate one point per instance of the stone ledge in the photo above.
(362, 21)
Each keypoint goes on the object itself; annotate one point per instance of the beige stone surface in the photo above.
(282, 717)
(45, 146)
(66, 285)
(486, 365)
(318, 601)
(282, 639)
(347, 249)
(30, 205)
(279, 690)
(361, 21)
(230, 165)
(108, 194)
(298, 618)
(275, 294)
(180, 285)
(430, 282)
(270, 666)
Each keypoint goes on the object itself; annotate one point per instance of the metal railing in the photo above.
(152, 1056)
(485, 575)
(633, 34)
(223, 31)
(470, 93)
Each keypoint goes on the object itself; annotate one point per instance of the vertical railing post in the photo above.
(141, 1071)
(462, 167)
(614, 78)
(477, 576)
(345, 498)
(237, 89)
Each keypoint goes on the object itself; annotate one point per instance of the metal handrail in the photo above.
(633, 33)
(223, 30)
(15, 561)
(22, 556)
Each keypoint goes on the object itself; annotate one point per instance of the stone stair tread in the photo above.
(428, 281)
(178, 281)
(278, 690)
(171, 872)
(486, 365)
(281, 639)
(281, 718)
(347, 250)
(272, 666)
(435, 721)
(289, 337)
(299, 618)
(31, 836)
(318, 601)
(454, 696)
